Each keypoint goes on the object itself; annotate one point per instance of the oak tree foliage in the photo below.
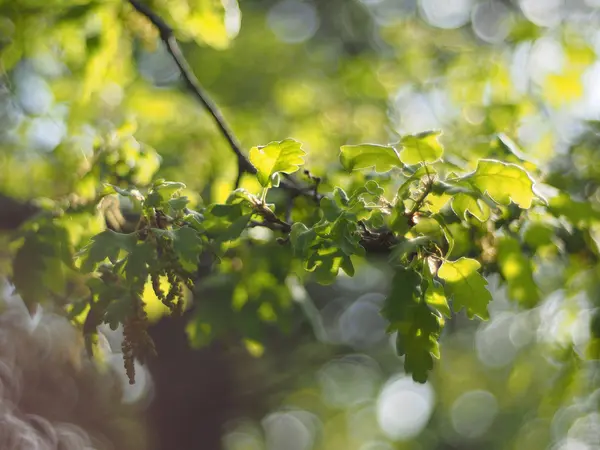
(443, 216)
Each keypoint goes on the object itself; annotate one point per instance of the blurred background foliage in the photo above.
(513, 80)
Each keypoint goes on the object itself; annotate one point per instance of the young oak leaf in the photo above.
(421, 148)
(276, 157)
(463, 203)
(418, 328)
(187, 245)
(466, 286)
(363, 156)
(419, 342)
(106, 244)
(436, 298)
(503, 182)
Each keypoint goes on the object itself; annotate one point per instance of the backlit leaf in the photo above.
(276, 157)
(105, 245)
(421, 148)
(503, 182)
(435, 297)
(466, 286)
(418, 328)
(463, 203)
(381, 157)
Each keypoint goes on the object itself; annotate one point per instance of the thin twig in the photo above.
(271, 217)
(419, 201)
(168, 38)
(289, 207)
(267, 224)
(244, 165)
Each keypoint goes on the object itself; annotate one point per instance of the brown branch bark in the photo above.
(168, 38)
(244, 165)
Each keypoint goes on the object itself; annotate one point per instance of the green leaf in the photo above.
(344, 233)
(118, 310)
(363, 156)
(235, 229)
(136, 267)
(302, 238)
(373, 188)
(466, 286)
(406, 247)
(276, 157)
(419, 341)
(404, 191)
(463, 203)
(187, 245)
(421, 148)
(518, 273)
(331, 209)
(503, 182)
(511, 146)
(418, 328)
(178, 203)
(242, 195)
(435, 202)
(167, 189)
(406, 289)
(105, 245)
(435, 297)
(325, 265)
(230, 212)
(347, 266)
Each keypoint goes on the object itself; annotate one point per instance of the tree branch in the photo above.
(168, 38)
(244, 165)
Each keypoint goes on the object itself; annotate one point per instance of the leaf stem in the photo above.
(419, 201)
(263, 195)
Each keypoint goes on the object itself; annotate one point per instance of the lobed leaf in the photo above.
(463, 203)
(382, 158)
(435, 297)
(187, 245)
(106, 245)
(421, 148)
(466, 286)
(503, 182)
(418, 328)
(276, 157)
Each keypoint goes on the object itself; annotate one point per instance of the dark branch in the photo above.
(244, 165)
(271, 217)
(168, 38)
(271, 225)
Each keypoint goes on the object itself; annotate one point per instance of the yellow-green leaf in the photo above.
(421, 148)
(463, 203)
(503, 182)
(518, 273)
(382, 157)
(276, 157)
(466, 286)
(436, 298)
(435, 202)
